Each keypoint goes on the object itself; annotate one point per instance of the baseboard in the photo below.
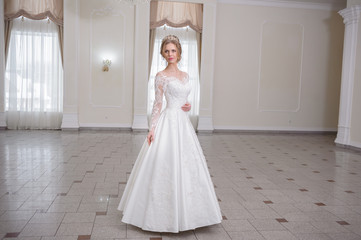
(3, 125)
(104, 125)
(128, 129)
(355, 148)
(240, 129)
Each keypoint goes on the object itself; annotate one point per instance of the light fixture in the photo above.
(106, 65)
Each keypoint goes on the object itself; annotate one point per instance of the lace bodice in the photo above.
(176, 92)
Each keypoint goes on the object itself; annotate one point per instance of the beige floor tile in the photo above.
(23, 238)
(109, 231)
(301, 227)
(209, 233)
(47, 218)
(79, 218)
(104, 220)
(237, 226)
(278, 235)
(93, 207)
(79, 179)
(16, 215)
(248, 235)
(69, 229)
(39, 229)
(266, 224)
(63, 207)
(187, 235)
(60, 238)
(312, 236)
(12, 226)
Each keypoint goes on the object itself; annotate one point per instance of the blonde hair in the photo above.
(172, 39)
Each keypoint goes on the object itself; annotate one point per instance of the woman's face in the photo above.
(170, 53)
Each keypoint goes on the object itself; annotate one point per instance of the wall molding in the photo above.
(106, 11)
(260, 69)
(288, 4)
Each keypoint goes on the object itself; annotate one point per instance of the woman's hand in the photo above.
(186, 107)
(150, 137)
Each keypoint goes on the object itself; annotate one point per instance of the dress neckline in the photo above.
(182, 81)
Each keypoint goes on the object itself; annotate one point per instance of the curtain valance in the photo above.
(176, 14)
(35, 9)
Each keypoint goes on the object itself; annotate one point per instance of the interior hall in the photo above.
(275, 103)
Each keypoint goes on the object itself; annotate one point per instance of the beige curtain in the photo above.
(61, 42)
(34, 9)
(176, 14)
(199, 43)
(151, 48)
(7, 30)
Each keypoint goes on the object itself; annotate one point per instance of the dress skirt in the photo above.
(170, 189)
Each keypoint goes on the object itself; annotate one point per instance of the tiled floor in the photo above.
(67, 185)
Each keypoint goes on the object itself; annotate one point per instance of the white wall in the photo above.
(353, 2)
(118, 98)
(241, 92)
(106, 32)
(95, 31)
(302, 95)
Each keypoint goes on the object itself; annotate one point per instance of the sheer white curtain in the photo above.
(34, 76)
(189, 64)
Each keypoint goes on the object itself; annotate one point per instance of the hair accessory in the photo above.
(170, 37)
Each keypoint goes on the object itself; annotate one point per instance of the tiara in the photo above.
(170, 37)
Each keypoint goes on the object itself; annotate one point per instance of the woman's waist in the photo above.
(175, 105)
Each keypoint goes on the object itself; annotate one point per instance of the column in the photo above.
(71, 65)
(2, 68)
(205, 123)
(351, 18)
(141, 58)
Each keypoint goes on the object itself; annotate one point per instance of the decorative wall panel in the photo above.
(280, 67)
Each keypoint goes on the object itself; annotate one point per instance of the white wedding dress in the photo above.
(170, 189)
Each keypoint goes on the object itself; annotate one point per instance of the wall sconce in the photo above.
(106, 65)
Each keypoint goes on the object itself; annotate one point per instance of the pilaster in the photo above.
(2, 68)
(71, 65)
(205, 122)
(141, 46)
(351, 18)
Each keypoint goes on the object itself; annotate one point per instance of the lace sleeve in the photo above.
(158, 101)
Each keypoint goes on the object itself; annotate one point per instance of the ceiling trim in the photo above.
(288, 4)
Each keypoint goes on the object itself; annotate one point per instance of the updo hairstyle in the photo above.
(172, 39)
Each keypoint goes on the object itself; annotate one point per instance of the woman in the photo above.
(170, 189)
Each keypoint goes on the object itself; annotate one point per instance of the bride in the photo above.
(170, 189)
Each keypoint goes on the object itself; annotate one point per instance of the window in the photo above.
(34, 76)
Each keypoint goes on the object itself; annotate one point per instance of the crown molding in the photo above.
(288, 4)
